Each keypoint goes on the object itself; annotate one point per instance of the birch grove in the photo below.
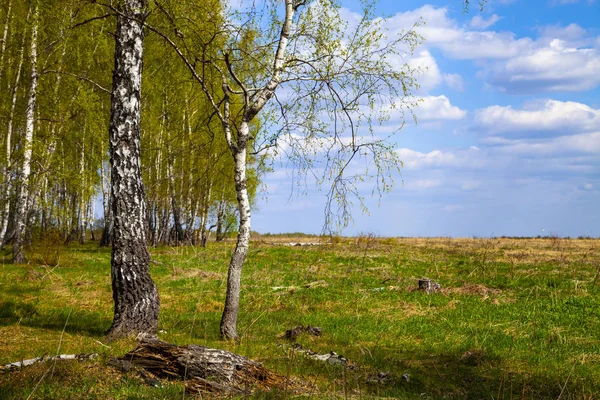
(67, 150)
(223, 92)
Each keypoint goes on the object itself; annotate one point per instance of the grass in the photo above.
(516, 318)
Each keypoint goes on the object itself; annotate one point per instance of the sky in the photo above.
(508, 135)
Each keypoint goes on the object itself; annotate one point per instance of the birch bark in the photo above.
(252, 106)
(5, 37)
(22, 198)
(234, 273)
(7, 173)
(136, 301)
(106, 238)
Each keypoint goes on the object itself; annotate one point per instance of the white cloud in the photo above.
(438, 108)
(539, 118)
(555, 67)
(586, 143)
(422, 183)
(413, 159)
(430, 75)
(569, 33)
(556, 61)
(437, 158)
(455, 82)
(442, 32)
(478, 22)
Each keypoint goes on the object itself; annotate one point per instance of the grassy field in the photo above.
(515, 319)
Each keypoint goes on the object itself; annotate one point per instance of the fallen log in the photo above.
(202, 369)
(26, 363)
(331, 358)
(292, 334)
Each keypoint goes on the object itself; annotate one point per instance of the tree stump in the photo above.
(201, 368)
(429, 286)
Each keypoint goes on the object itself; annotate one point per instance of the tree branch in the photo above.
(83, 78)
(77, 25)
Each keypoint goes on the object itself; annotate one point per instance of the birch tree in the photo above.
(136, 301)
(8, 175)
(325, 69)
(26, 144)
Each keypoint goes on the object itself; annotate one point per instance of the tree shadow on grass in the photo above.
(74, 322)
(468, 375)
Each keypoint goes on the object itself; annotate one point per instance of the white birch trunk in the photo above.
(136, 301)
(7, 172)
(252, 106)
(234, 275)
(21, 207)
(82, 200)
(5, 37)
(106, 238)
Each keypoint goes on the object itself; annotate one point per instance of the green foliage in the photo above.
(186, 167)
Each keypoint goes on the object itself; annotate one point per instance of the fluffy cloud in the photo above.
(478, 22)
(438, 108)
(444, 33)
(455, 82)
(556, 67)
(539, 118)
(586, 143)
(561, 59)
(429, 72)
(570, 33)
(413, 159)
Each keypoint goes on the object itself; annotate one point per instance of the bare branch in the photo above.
(83, 78)
(77, 25)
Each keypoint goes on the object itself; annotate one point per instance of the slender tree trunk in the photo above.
(220, 234)
(205, 232)
(192, 226)
(41, 189)
(136, 301)
(5, 37)
(178, 231)
(232, 300)
(21, 208)
(82, 197)
(91, 208)
(8, 179)
(107, 230)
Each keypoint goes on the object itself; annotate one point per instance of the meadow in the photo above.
(514, 319)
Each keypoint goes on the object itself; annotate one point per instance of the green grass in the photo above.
(515, 318)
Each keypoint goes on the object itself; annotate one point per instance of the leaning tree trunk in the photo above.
(232, 300)
(136, 301)
(22, 198)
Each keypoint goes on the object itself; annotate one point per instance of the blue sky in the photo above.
(508, 138)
